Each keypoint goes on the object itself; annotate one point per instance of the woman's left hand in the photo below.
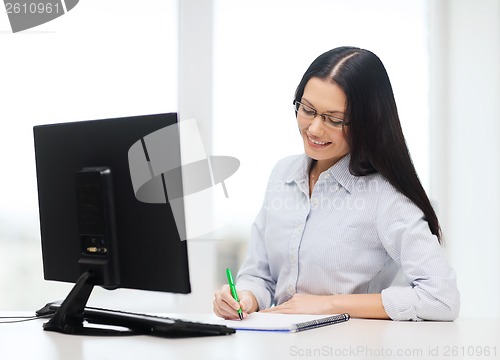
(305, 304)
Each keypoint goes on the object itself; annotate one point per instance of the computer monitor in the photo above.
(94, 230)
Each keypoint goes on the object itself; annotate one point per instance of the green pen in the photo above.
(233, 290)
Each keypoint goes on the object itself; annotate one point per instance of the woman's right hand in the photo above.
(226, 307)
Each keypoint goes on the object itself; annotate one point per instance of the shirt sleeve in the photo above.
(255, 275)
(432, 292)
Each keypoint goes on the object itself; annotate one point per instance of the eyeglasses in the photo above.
(307, 112)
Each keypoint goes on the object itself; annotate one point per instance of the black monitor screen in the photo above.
(89, 213)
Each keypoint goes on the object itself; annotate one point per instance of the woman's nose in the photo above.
(316, 126)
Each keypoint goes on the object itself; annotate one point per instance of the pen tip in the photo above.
(241, 316)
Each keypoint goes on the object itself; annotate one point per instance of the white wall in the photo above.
(465, 152)
(102, 59)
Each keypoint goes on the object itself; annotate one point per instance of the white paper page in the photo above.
(269, 321)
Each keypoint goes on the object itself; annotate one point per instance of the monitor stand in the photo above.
(69, 318)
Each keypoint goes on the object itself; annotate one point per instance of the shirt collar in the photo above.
(340, 172)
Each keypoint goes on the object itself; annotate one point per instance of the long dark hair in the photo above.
(376, 140)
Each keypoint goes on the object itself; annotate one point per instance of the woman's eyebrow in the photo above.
(329, 111)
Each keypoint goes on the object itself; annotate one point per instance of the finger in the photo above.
(224, 311)
(227, 297)
(270, 310)
(216, 304)
(224, 304)
(279, 309)
(245, 301)
(220, 306)
(216, 310)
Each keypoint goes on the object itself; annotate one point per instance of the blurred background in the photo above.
(234, 65)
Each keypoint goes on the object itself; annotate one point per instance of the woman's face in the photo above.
(323, 143)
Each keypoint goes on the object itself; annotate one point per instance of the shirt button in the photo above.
(314, 202)
(327, 176)
(291, 290)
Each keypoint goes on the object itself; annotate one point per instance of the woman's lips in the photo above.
(316, 143)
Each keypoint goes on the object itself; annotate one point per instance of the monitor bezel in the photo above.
(64, 148)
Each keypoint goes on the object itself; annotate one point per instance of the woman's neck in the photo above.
(319, 166)
(315, 170)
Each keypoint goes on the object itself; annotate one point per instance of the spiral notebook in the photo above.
(284, 322)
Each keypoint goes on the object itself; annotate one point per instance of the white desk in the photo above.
(355, 339)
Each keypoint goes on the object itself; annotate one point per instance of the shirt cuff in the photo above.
(261, 294)
(399, 303)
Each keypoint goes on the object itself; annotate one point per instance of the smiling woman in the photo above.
(315, 258)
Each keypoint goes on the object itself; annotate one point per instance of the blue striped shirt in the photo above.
(351, 236)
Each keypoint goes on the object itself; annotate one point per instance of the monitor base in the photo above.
(69, 319)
